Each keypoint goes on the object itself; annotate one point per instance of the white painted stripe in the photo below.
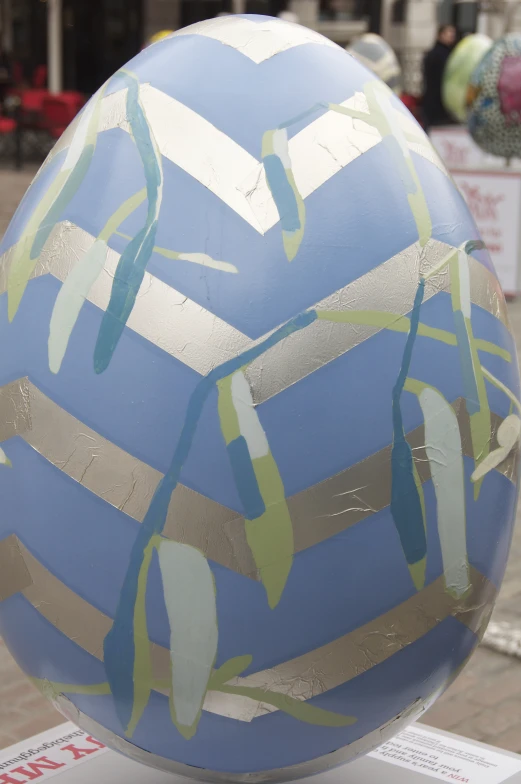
(443, 447)
(280, 147)
(70, 299)
(317, 152)
(259, 41)
(189, 593)
(249, 423)
(80, 135)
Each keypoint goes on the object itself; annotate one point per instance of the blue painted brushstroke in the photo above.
(473, 245)
(245, 478)
(118, 647)
(133, 262)
(56, 209)
(304, 115)
(405, 499)
(467, 367)
(282, 192)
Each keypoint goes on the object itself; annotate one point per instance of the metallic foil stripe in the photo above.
(322, 764)
(390, 287)
(14, 574)
(322, 149)
(201, 340)
(119, 478)
(358, 651)
(343, 500)
(318, 513)
(162, 315)
(317, 152)
(304, 677)
(258, 41)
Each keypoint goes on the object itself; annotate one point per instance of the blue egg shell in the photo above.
(259, 412)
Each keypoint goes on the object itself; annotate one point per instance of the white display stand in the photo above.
(492, 191)
(416, 756)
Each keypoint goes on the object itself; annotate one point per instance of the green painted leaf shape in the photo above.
(230, 669)
(189, 593)
(508, 435)
(299, 709)
(50, 208)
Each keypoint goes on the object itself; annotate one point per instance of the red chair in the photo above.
(32, 99)
(7, 125)
(59, 111)
(40, 77)
(414, 106)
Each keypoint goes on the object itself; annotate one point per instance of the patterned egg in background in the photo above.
(375, 53)
(494, 99)
(463, 60)
(259, 412)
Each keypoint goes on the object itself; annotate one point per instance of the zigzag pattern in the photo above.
(198, 338)
(127, 483)
(116, 465)
(338, 661)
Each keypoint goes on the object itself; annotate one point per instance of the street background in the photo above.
(484, 703)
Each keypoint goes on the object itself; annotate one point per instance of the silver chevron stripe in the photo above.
(119, 478)
(167, 318)
(303, 677)
(390, 287)
(318, 513)
(317, 152)
(258, 41)
(201, 340)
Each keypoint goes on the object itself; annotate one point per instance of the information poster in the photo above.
(494, 199)
(457, 149)
(447, 758)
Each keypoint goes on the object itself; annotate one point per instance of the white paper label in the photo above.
(494, 199)
(48, 755)
(447, 758)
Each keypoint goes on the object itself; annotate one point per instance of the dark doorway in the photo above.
(29, 36)
(196, 10)
(99, 37)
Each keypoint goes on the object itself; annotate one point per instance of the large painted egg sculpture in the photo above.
(494, 99)
(375, 53)
(462, 63)
(259, 412)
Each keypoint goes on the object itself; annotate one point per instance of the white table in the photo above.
(416, 756)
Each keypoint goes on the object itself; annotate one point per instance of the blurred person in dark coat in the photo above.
(434, 113)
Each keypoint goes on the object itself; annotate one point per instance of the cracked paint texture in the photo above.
(259, 404)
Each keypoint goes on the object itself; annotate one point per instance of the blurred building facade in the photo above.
(83, 42)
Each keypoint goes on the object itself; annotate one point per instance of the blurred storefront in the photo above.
(77, 44)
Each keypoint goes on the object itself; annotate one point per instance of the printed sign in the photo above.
(447, 758)
(458, 150)
(48, 754)
(494, 199)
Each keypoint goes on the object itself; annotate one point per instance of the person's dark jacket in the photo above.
(433, 67)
